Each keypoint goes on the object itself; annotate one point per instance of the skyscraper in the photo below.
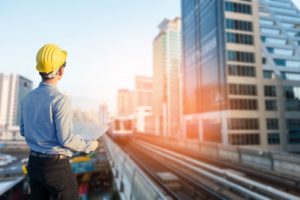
(143, 91)
(143, 103)
(280, 36)
(12, 89)
(126, 102)
(103, 113)
(166, 77)
(237, 57)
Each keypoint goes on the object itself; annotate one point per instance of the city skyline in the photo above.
(79, 34)
(172, 99)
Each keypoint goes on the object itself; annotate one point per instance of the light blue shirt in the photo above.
(46, 122)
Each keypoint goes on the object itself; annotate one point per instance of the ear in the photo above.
(61, 71)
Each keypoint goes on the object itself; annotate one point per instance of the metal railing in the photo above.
(130, 180)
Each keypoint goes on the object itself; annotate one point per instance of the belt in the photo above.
(44, 155)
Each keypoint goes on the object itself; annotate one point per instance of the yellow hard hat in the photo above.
(50, 58)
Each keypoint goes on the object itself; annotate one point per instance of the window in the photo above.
(287, 63)
(238, 7)
(270, 31)
(293, 76)
(293, 33)
(292, 92)
(279, 51)
(240, 70)
(240, 56)
(244, 139)
(239, 38)
(272, 123)
(242, 89)
(292, 98)
(280, 62)
(266, 22)
(271, 105)
(271, 40)
(117, 125)
(243, 123)
(281, 4)
(270, 91)
(273, 138)
(264, 60)
(268, 74)
(283, 10)
(243, 104)
(192, 129)
(294, 137)
(287, 25)
(293, 126)
(289, 18)
(239, 25)
(291, 63)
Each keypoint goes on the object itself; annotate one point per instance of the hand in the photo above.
(94, 145)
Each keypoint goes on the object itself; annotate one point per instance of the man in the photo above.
(46, 124)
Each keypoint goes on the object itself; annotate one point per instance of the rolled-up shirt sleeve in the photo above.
(64, 128)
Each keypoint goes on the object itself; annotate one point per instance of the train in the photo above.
(121, 129)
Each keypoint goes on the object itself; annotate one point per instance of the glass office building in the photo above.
(280, 36)
(166, 78)
(203, 72)
(241, 72)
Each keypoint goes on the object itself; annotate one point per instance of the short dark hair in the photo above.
(45, 76)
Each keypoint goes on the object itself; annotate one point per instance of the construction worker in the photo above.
(46, 124)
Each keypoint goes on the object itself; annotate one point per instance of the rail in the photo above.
(271, 161)
(217, 174)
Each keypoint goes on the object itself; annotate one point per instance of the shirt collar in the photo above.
(47, 84)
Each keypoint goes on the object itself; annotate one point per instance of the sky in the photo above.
(297, 3)
(108, 42)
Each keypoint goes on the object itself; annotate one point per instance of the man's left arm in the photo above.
(64, 130)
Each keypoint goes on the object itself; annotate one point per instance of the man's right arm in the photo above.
(63, 125)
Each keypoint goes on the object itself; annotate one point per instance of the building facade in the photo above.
(240, 65)
(166, 78)
(143, 118)
(143, 91)
(125, 102)
(280, 36)
(103, 113)
(143, 103)
(13, 88)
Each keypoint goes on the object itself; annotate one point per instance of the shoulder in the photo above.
(61, 100)
(26, 97)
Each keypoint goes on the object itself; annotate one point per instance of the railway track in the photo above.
(281, 182)
(184, 187)
(197, 179)
(242, 186)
